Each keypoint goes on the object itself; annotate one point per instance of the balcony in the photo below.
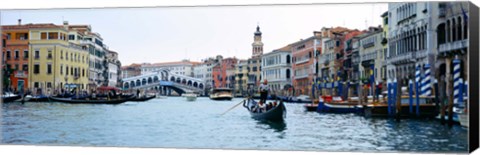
(301, 76)
(450, 46)
(302, 61)
(403, 58)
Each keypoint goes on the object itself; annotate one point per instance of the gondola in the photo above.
(276, 113)
(37, 98)
(9, 97)
(90, 101)
(141, 99)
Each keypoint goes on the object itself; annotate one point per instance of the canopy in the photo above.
(107, 88)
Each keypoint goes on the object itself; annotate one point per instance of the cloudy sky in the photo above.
(161, 34)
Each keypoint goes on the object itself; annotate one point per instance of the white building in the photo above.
(277, 68)
(371, 53)
(113, 68)
(204, 70)
(184, 67)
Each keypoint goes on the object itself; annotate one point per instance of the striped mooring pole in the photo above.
(426, 84)
(417, 85)
(389, 95)
(456, 81)
(395, 93)
(410, 95)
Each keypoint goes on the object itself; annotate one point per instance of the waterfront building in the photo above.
(304, 53)
(384, 42)
(204, 70)
(241, 78)
(411, 38)
(452, 41)
(16, 56)
(93, 43)
(113, 69)
(184, 67)
(331, 58)
(351, 57)
(277, 69)
(371, 56)
(131, 70)
(255, 62)
(54, 61)
(220, 77)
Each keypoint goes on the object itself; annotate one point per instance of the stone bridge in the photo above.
(164, 81)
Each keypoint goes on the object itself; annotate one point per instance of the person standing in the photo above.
(264, 91)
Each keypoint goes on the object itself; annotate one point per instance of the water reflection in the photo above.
(277, 126)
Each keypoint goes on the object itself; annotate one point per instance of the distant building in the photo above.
(16, 52)
(204, 70)
(222, 78)
(371, 55)
(277, 69)
(130, 70)
(184, 67)
(113, 67)
(241, 77)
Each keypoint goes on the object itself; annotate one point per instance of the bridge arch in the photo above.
(126, 85)
(189, 83)
(178, 80)
(172, 79)
(144, 81)
(200, 86)
(132, 83)
(155, 79)
(149, 80)
(138, 83)
(195, 84)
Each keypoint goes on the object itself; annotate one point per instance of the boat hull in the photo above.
(221, 98)
(73, 101)
(6, 99)
(310, 107)
(381, 110)
(142, 99)
(339, 108)
(276, 114)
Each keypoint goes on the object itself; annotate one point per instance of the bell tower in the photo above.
(257, 45)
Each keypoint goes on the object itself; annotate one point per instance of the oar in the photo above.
(233, 106)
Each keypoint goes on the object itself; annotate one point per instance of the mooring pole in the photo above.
(410, 95)
(398, 89)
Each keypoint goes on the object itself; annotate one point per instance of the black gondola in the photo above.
(275, 113)
(92, 101)
(10, 98)
(141, 99)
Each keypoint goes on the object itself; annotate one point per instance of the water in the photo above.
(175, 123)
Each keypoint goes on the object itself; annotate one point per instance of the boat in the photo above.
(190, 96)
(313, 106)
(91, 101)
(37, 98)
(10, 97)
(331, 104)
(221, 94)
(277, 112)
(143, 98)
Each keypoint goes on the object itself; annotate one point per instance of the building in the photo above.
(93, 43)
(331, 59)
(304, 61)
(130, 70)
(222, 78)
(16, 51)
(55, 62)
(184, 67)
(204, 70)
(113, 68)
(277, 69)
(371, 56)
(385, 44)
(452, 39)
(241, 78)
(254, 67)
(351, 57)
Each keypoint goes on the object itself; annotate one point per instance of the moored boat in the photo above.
(380, 109)
(338, 105)
(10, 97)
(221, 94)
(37, 98)
(118, 100)
(142, 98)
(277, 112)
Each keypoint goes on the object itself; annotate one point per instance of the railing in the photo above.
(301, 76)
(302, 61)
(459, 44)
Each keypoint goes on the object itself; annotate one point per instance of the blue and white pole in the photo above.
(389, 95)
(426, 85)
(395, 93)
(456, 81)
(417, 85)
(410, 95)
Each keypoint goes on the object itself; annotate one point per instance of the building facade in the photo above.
(241, 78)
(304, 53)
(184, 67)
(277, 69)
(255, 62)
(130, 70)
(16, 56)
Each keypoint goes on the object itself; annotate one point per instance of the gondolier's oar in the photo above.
(233, 106)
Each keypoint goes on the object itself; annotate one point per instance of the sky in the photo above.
(165, 34)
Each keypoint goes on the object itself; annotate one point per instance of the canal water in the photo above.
(176, 123)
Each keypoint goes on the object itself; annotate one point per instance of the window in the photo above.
(17, 55)
(37, 54)
(35, 84)
(8, 55)
(49, 85)
(52, 35)
(66, 70)
(61, 69)
(25, 67)
(16, 67)
(66, 55)
(83, 72)
(61, 54)
(71, 37)
(9, 36)
(71, 71)
(49, 56)
(25, 54)
(36, 68)
(43, 35)
(49, 68)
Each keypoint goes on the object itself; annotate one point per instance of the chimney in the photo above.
(19, 21)
(65, 23)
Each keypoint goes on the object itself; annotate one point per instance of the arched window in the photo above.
(448, 31)
(454, 32)
(459, 29)
(465, 29)
(288, 59)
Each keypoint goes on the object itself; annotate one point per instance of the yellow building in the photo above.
(55, 62)
(385, 44)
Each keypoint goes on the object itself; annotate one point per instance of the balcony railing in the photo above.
(302, 61)
(446, 47)
(301, 76)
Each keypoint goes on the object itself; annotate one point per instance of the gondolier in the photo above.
(264, 91)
